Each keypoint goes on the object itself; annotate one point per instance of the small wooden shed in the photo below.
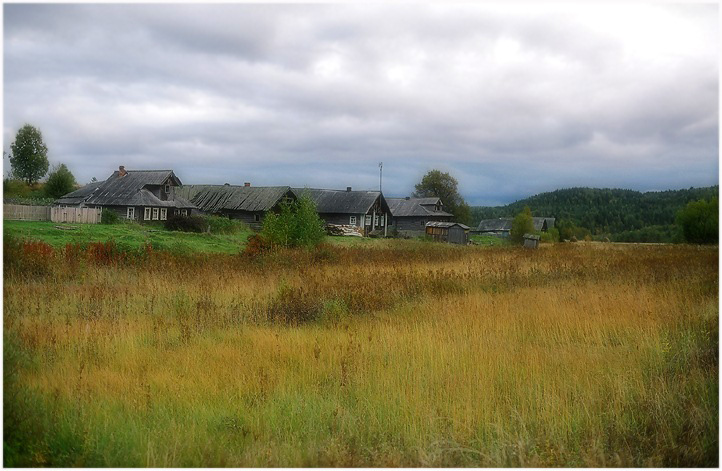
(451, 232)
(531, 241)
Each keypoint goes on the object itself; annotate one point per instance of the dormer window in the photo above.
(167, 188)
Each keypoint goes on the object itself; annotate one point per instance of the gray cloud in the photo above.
(512, 100)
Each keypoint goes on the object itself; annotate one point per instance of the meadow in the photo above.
(396, 353)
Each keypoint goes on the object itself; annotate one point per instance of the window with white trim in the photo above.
(167, 188)
(163, 214)
(376, 220)
(155, 214)
(352, 220)
(184, 212)
(130, 213)
(146, 214)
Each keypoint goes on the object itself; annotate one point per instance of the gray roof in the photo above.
(402, 207)
(446, 224)
(214, 198)
(504, 224)
(343, 201)
(127, 190)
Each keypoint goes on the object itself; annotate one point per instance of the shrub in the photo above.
(108, 216)
(522, 224)
(296, 225)
(224, 225)
(699, 222)
(257, 245)
(182, 223)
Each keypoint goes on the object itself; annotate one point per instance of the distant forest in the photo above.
(622, 215)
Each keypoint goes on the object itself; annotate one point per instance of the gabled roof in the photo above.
(214, 198)
(446, 224)
(127, 190)
(343, 201)
(504, 224)
(401, 207)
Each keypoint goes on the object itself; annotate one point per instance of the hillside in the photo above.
(603, 210)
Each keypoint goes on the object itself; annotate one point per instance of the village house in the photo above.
(410, 215)
(502, 226)
(247, 203)
(136, 195)
(361, 211)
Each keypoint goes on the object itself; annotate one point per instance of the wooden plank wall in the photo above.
(75, 215)
(22, 212)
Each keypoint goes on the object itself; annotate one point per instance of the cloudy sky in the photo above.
(511, 100)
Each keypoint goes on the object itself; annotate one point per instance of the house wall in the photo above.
(457, 235)
(340, 218)
(413, 226)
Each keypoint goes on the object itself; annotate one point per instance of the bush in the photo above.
(182, 223)
(699, 222)
(224, 225)
(522, 224)
(108, 216)
(296, 225)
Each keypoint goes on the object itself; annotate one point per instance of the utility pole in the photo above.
(381, 171)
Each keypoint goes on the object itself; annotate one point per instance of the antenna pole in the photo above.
(381, 171)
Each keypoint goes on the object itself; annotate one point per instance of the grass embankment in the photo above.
(126, 235)
(415, 355)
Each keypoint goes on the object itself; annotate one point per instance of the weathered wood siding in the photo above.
(22, 212)
(340, 218)
(75, 215)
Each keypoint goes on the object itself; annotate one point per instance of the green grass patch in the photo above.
(129, 235)
(488, 240)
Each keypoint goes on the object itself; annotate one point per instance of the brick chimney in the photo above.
(348, 188)
(247, 184)
(121, 171)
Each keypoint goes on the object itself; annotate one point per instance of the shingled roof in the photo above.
(401, 207)
(126, 190)
(343, 201)
(504, 224)
(215, 198)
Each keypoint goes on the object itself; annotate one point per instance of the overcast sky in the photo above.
(511, 100)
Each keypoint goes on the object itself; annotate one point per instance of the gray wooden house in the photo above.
(367, 211)
(451, 232)
(247, 203)
(502, 226)
(410, 215)
(137, 195)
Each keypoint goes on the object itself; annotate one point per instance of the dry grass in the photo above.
(408, 354)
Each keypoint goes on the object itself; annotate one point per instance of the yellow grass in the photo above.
(596, 355)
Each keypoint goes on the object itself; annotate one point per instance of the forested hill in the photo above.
(602, 210)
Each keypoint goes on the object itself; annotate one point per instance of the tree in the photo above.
(522, 224)
(297, 224)
(442, 185)
(29, 155)
(699, 221)
(60, 182)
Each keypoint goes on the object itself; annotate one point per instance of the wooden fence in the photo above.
(22, 212)
(19, 212)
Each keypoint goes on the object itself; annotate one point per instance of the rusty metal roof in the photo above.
(401, 207)
(215, 198)
(127, 190)
(343, 201)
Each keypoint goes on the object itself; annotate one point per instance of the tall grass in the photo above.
(401, 355)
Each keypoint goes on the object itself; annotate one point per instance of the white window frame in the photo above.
(352, 220)
(146, 214)
(155, 214)
(167, 188)
(376, 220)
(176, 212)
(163, 214)
(130, 213)
(184, 212)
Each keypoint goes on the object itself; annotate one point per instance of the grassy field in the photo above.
(410, 354)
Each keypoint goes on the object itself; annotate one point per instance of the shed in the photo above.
(451, 232)
(531, 241)
(410, 215)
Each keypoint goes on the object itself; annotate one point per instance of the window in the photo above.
(184, 212)
(376, 220)
(163, 214)
(422, 223)
(155, 214)
(257, 217)
(352, 220)
(130, 213)
(167, 188)
(146, 214)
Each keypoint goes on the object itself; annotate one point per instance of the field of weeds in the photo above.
(404, 355)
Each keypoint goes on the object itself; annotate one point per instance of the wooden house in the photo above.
(247, 203)
(502, 226)
(137, 195)
(451, 232)
(410, 215)
(366, 211)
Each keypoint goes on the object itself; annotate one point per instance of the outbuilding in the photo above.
(451, 232)
(531, 241)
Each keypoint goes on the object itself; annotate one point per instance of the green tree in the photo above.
(60, 182)
(522, 224)
(29, 155)
(442, 185)
(296, 224)
(699, 221)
